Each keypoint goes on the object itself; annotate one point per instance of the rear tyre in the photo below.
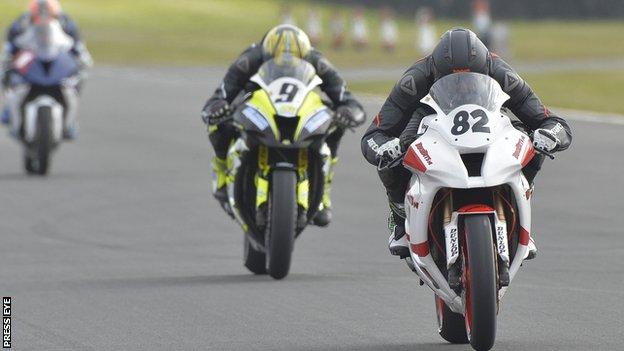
(480, 282)
(255, 260)
(451, 325)
(283, 222)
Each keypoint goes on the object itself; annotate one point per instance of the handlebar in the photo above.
(392, 164)
(544, 152)
(399, 160)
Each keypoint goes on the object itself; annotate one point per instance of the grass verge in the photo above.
(198, 32)
(583, 90)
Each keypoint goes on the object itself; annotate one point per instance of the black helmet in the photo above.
(459, 50)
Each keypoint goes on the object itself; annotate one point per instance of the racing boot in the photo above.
(261, 217)
(6, 116)
(324, 215)
(397, 242)
(219, 183)
(70, 132)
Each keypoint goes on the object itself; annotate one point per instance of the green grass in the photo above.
(566, 40)
(202, 32)
(192, 32)
(374, 87)
(585, 90)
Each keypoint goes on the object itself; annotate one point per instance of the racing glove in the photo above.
(74, 80)
(82, 54)
(545, 139)
(389, 152)
(346, 118)
(216, 113)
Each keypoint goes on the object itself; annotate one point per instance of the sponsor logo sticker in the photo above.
(454, 242)
(412, 201)
(519, 146)
(501, 238)
(424, 153)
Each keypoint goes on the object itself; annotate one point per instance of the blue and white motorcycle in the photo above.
(42, 95)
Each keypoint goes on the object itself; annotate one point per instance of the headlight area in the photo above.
(317, 120)
(255, 117)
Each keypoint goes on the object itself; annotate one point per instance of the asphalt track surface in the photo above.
(123, 248)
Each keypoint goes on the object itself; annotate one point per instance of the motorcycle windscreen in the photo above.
(288, 66)
(288, 82)
(46, 40)
(459, 89)
(468, 109)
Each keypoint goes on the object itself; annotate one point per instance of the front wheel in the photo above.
(283, 222)
(479, 280)
(37, 158)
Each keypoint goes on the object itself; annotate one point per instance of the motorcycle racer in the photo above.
(280, 42)
(40, 15)
(395, 127)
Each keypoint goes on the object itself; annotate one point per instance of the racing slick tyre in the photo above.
(43, 143)
(479, 278)
(451, 325)
(255, 260)
(283, 222)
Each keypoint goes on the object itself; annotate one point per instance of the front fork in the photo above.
(451, 233)
(502, 242)
(262, 186)
(13, 98)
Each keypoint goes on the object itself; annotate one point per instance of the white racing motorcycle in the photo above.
(43, 95)
(468, 205)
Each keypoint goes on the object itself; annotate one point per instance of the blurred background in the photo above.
(571, 51)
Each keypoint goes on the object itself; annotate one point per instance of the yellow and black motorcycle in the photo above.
(278, 164)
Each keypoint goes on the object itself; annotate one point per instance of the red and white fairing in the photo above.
(435, 162)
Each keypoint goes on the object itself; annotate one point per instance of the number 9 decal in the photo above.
(287, 93)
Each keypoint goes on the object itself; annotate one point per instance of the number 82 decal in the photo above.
(461, 122)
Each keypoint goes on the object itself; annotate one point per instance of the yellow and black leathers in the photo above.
(247, 64)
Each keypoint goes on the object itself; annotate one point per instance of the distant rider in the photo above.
(282, 40)
(41, 13)
(389, 135)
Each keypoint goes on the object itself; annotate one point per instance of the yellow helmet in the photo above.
(286, 39)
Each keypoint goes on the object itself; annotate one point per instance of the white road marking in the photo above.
(592, 117)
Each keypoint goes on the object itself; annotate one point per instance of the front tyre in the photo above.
(479, 282)
(283, 221)
(37, 158)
